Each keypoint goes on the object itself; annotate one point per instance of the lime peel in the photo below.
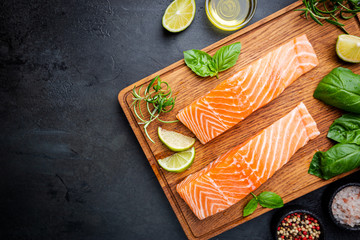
(178, 162)
(348, 48)
(175, 141)
(179, 15)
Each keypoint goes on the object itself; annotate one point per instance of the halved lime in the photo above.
(178, 162)
(178, 15)
(348, 48)
(174, 140)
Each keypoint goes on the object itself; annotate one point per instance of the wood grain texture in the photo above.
(292, 180)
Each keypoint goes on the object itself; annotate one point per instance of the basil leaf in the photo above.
(270, 200)
(341, 158)
(315, 164)
(227, 56)
(200, 62)
(250, 207)
(346, 129)
(341, 89)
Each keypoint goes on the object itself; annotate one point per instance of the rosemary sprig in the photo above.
(157, 97)
(330, 10)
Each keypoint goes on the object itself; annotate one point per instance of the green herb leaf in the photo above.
(315, 165)
(346, 129)
(341, 89)
(329, 9)
(227, 56)
(204, 65)
(250, 207)
(341, 158)
(200, 63)
(270, 200)
(335, 22)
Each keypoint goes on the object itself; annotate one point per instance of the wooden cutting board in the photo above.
(292, 180)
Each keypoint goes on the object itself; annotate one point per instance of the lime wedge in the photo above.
(178, 15)
(178, 162)
(348, 48)
(175, 141)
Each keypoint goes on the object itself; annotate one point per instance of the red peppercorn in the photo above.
(282, 236)
(313, 227)
(310, 237)
(317, 228)
(299, 229)
(279, 228)
(304, 238)
(290, 224)
(304, 232)
(315, 221)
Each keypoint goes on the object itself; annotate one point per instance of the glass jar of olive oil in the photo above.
(230, 15)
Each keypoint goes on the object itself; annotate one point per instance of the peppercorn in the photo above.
(298, 226)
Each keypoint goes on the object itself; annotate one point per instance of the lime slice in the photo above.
(178, 162)
(348, 48)
(178, 15)
(174, 140)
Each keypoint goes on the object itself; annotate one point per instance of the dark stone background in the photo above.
(71, 167)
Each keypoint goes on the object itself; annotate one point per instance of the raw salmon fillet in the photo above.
(249, 89)
(244, 168)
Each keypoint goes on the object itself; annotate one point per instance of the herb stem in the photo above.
(157, 97)
(329, 10)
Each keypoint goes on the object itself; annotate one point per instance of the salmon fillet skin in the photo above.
(249, 89)
(245, 167)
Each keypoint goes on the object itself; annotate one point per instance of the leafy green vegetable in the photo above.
(346, 129)
(250, 207)
(204, 65)
(341, 158)
(270, 200)
(200, 62)
(227, 56)
(265, 199)
(329, 10)
(341, 89)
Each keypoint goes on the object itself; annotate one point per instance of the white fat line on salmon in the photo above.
(277, 72)
(269, 148)
(276, 146)
(303, 131)
(297, 66)
(295, 56)
(273, 63)
(264, 66)
(306, 53)
(292, 135)
(189, 122)
(288, 123)
(215, 114)
(253, 150)
(247, 149)
(302, 64)
(201, 123)
(313, 134)
(258, 63)
(304, 43)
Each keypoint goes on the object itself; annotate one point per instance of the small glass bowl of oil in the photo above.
(230, 15)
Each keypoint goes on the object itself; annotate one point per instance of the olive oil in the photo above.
(228, 14)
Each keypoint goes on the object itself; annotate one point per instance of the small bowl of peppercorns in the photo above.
(299, 224)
